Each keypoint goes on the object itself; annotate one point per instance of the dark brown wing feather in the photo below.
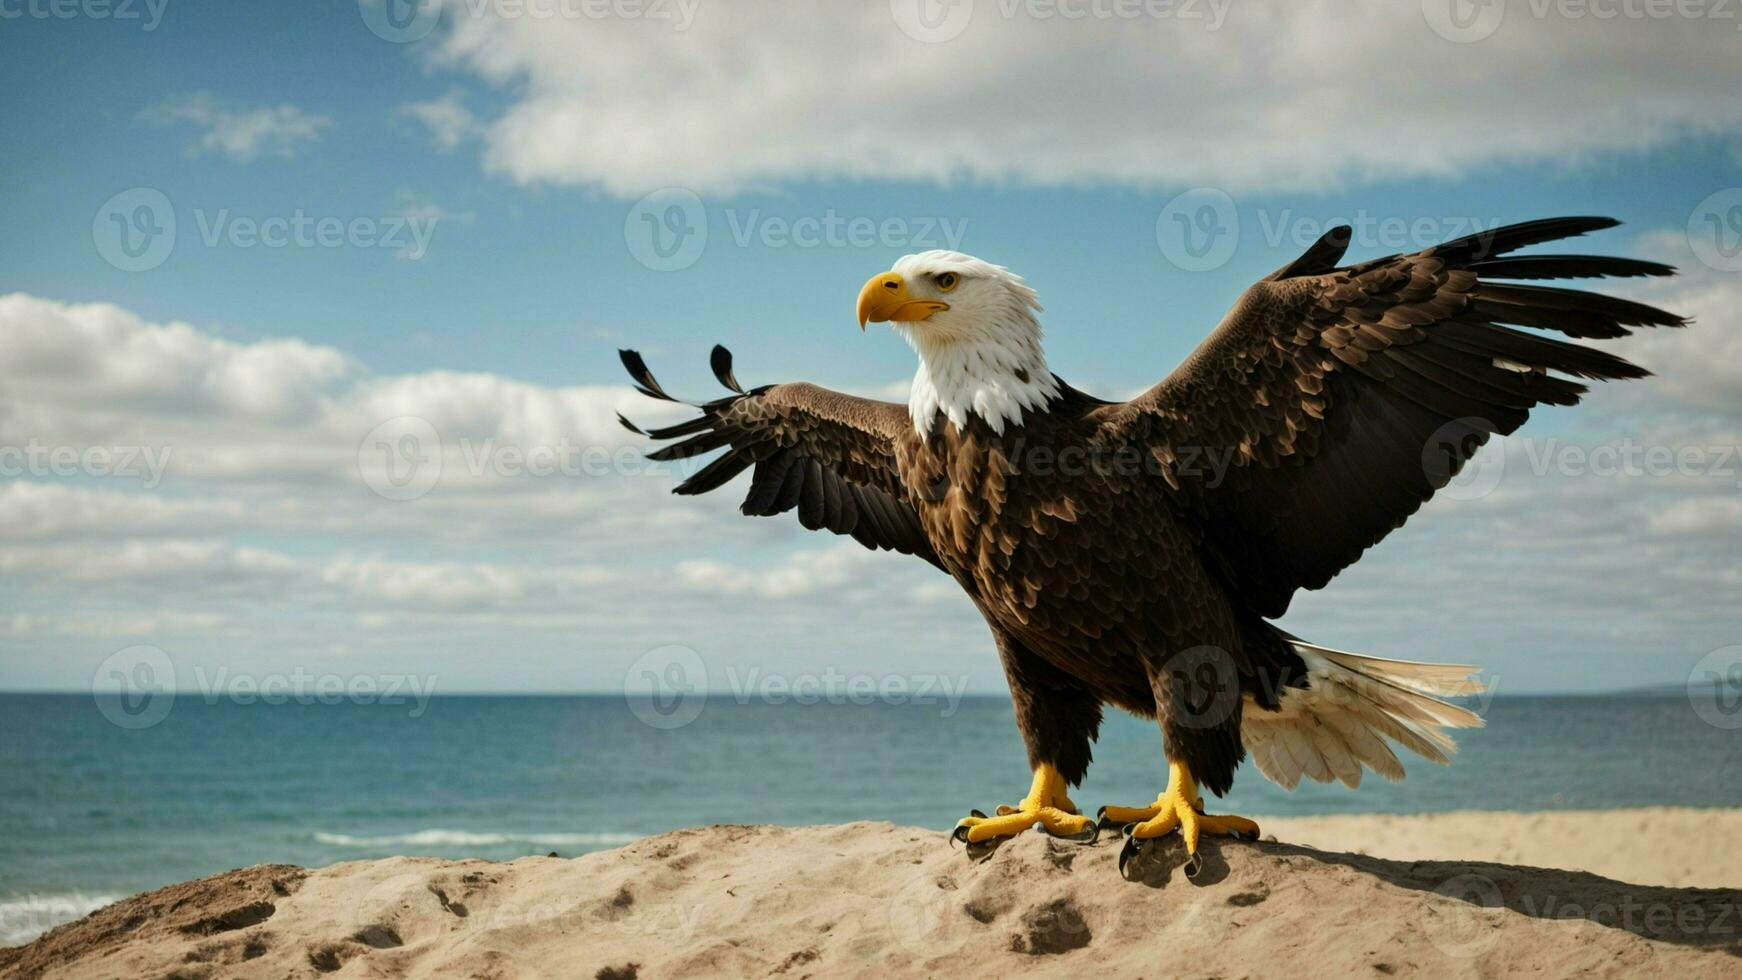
(1331, 403)
(827, 455)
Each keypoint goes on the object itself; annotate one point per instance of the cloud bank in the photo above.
(1243, 96)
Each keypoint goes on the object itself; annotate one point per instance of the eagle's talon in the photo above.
(1104, 822)
(1133, 846)
(982, 850)
(1180, 808)
(1046, 804)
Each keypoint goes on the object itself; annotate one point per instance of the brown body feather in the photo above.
(1080, 560)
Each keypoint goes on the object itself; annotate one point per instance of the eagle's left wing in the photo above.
(1332, 402)
(828, 455)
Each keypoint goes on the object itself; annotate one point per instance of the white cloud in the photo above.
(452, 584)
(1281, 96)
(31, 509)
(96, 355)
(1700, 515)
(125, 628)
(242, 134)
(449, 122)
(168, 560)
(410, 204)
(80, 375)
(837, 571)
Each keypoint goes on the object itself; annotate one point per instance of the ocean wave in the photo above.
(468, 838)
(24, 917)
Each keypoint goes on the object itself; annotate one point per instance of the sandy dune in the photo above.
(872, 899)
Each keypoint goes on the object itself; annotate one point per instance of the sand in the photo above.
(1435, 896)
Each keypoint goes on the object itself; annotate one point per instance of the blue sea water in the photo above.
(90, 811)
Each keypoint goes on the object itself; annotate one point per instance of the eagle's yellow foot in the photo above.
(1178, 807)
(1047, 804)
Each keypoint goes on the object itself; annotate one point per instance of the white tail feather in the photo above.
(1338, 724)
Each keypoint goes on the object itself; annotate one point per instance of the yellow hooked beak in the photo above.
(885, 297)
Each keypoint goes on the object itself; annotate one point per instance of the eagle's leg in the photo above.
(1058, 719)
(1178, 807)
(1047, 803)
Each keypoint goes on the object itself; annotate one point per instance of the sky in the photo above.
(309, 313)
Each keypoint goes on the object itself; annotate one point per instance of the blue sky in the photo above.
(1053, 148)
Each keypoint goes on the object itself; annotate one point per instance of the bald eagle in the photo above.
(1134, 553)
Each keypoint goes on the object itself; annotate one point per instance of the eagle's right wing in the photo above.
(828, 455)
(1332, 402)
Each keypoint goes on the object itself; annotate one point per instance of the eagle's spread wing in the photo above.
(828, 455)
(1332, 402)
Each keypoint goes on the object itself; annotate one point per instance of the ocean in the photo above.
(91, 811)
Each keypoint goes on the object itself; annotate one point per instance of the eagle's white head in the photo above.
(973, 324)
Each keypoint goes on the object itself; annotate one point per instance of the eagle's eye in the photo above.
(946, 281)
